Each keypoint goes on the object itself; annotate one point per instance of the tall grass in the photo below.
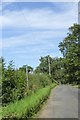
(28, 106)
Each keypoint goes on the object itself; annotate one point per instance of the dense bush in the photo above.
(38, 80)
(14, 83)
(28, 106)
(16, 89)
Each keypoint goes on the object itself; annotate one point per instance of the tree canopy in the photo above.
(70, 48)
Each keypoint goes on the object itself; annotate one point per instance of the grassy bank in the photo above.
(28, 106)
(76, 86)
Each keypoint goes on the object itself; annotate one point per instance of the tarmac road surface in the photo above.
(62, 103)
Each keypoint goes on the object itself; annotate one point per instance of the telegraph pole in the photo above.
(49, 65)
(27, 75)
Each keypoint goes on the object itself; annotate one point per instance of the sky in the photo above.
(29, 30)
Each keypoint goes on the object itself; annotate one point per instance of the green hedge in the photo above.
(15, 88)
(28, 106)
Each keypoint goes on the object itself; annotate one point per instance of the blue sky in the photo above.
(34, 29)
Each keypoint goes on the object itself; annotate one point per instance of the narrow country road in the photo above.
(62, 103)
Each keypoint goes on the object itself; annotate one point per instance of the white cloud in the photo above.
(39, 18)
(35, 43)
(32, 38)
(30, 47)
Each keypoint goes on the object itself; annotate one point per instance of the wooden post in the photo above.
(49, 66)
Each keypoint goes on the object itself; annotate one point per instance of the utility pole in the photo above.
(49, 65)
(27, 75)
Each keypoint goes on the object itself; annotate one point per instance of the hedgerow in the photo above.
(28, 106)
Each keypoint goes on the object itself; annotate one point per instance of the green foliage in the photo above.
(79, 86)
(8, 83)
(23, 68)
(20, 79)
(56, 67)
(14, 82)
(0, 69)
(37, 81)
(43, 66)
(28, 106)
(70, 48)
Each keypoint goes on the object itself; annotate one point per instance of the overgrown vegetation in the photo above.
(28, 106)
(14, 83)
(70, 48)
(18, 100)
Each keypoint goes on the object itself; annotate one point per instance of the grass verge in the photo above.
(76, 86)
(28, 106)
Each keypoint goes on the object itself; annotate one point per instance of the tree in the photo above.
(2, 68)
(69, 47)
(56, 67)
(23, 68)
(8, 82)
(44, 65)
